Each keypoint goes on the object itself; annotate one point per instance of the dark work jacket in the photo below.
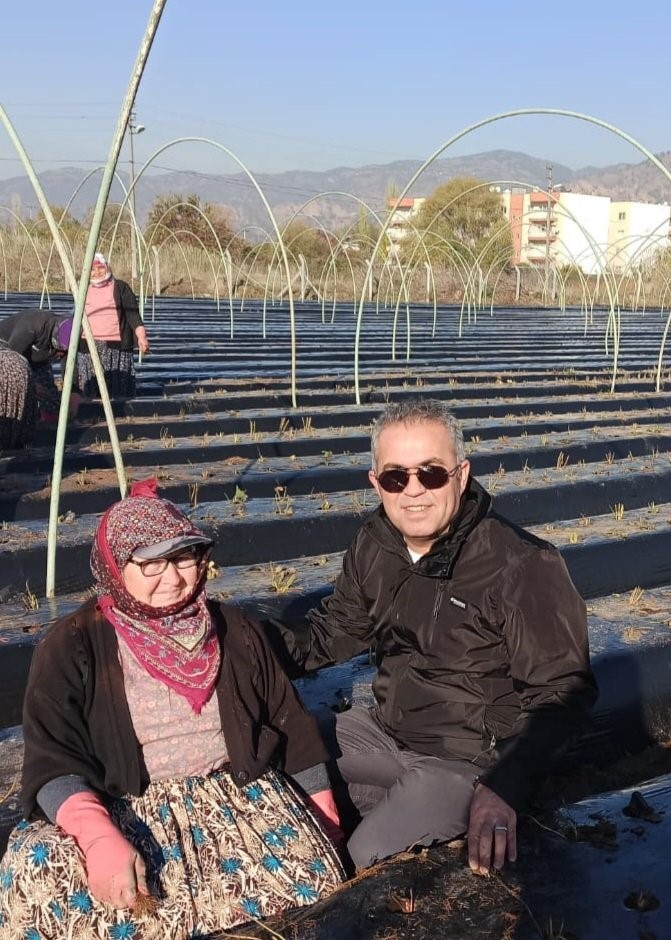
(481, 645)
(76, 718)
(128, 313)
(29, 333)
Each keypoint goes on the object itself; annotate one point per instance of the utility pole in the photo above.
(16, 211)
(548, 218)
(133, 129)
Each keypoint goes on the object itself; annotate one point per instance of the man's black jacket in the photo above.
(481, 645)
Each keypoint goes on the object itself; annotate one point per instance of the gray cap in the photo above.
(171, 546)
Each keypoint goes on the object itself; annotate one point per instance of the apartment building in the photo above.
(636, 233)
(587, 231)
(403, 212)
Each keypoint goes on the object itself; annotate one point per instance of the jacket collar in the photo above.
(439, 562)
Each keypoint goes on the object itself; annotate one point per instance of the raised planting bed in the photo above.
(250, 450)
(258, 464)
(262, 529)
(339, 417)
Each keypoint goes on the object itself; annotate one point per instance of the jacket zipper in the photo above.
(439, 598)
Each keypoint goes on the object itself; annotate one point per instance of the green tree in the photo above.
(390, 193)
(366, 231)
(70, 226)
(109, 223)
(110, 216)
(467, 215)
(314, 244)
(187, 216)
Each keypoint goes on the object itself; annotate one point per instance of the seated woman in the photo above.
(171, 752)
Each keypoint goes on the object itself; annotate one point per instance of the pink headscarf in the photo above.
(178, 644)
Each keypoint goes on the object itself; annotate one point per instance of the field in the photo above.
(282, 490)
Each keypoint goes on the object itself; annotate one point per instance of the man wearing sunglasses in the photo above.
(481, 650)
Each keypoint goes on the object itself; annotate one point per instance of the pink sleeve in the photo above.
(84, 817)
(326, 811)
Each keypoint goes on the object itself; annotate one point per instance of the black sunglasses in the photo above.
(431, 477)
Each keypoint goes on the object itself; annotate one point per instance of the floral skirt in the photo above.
(18, 400)
(49, 398)
(216, 856)
(118, 367)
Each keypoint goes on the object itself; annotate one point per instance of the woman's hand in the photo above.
(115, 872)
(73, 406)
(324, 805)
(142, 340)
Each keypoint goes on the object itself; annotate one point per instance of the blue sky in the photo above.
(304, 85)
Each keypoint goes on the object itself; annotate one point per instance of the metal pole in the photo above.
(133, 259)
(157, 272)
(133, 129)
(96, 223)
(548, 170)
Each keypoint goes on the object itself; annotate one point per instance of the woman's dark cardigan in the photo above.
(128, 313)
(76, 718)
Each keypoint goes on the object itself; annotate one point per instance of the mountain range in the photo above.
(288, 191)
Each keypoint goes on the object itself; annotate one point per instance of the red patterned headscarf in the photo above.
(178, 644)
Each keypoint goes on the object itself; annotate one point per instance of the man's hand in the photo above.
(492, 831)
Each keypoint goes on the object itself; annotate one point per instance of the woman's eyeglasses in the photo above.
(186, 559)
(431, 477)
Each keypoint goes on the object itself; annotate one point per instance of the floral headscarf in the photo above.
(178, 644)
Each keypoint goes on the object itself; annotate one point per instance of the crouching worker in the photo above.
(480, 638)
(40, 337)
(167, 757)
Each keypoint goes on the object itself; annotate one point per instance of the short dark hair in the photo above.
(414, 410)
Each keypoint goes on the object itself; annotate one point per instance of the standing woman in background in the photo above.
(114, 317)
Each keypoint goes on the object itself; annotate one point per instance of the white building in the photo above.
(583, 230)
(637, 231)
(403, 212)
